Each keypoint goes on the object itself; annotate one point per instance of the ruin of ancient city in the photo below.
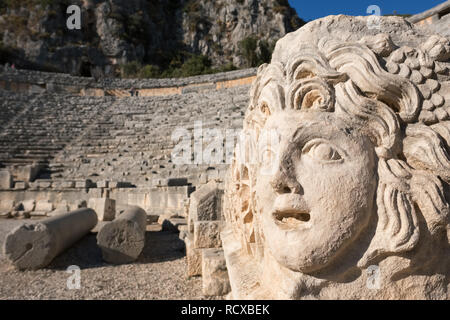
(229, 150)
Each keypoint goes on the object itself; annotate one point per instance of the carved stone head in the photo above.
(344, 165)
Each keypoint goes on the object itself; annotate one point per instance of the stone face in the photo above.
(207, 234)
(339, 188)
(123, 239)
(6, 180)
(35, 245)
(104, 207)
(214, 273)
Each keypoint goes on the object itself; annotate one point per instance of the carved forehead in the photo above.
(300, 127)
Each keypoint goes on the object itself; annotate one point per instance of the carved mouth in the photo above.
(291, 218)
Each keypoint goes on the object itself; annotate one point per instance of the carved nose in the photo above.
(285, 182)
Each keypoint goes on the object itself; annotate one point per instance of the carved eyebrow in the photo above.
(303, 132)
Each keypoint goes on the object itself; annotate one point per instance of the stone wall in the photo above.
(37, 82)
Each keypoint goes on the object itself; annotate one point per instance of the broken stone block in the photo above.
(95, 193)
(68, 184)
(123, 239)
(215, 280)
(84, 184)
(102, 184)
(203, 203)
(104, 207)
(29, 205)
(44, 206)
(207, 234)
(113, 184)
(194, 257)
(57, 212)
(6, 180)
(77, 204)
(44, 184)
(27, 173)
(20, 185)
(61, 208)
(35, 245)
(7, 205)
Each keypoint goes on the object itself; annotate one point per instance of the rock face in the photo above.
(117, 32)
(339, 188)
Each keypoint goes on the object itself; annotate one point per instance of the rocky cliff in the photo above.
(164, 33)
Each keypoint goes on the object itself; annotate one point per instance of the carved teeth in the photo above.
(291, 216)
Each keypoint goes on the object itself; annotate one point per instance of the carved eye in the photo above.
(321, 150)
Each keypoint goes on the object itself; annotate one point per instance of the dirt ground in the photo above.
(159, 273)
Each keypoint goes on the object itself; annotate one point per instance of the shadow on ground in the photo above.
(160, 246)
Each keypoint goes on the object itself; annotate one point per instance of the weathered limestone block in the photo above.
(35, 245)
(61, 208)
(84, 184)
(20, 185)
(207, 234)
(104, 207)
(339, 188)
(68, 184)
(6, 180)
(27, 173)
(215, 280)
(77, 204)
(194, 257)
(203, 203)
(103, 184)
(6, 208)
(7, 205)
(29, 205)
(44, 184)
(44, 206)
(123, 239)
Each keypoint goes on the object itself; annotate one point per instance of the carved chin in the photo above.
(300, 243)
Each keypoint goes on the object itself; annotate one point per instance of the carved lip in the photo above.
(291, 218)
(290, 211)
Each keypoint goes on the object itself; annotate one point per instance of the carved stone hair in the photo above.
(396, 104)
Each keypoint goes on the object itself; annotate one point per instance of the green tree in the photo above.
(247, 48)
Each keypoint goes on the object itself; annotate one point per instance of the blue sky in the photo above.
(313, 9)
